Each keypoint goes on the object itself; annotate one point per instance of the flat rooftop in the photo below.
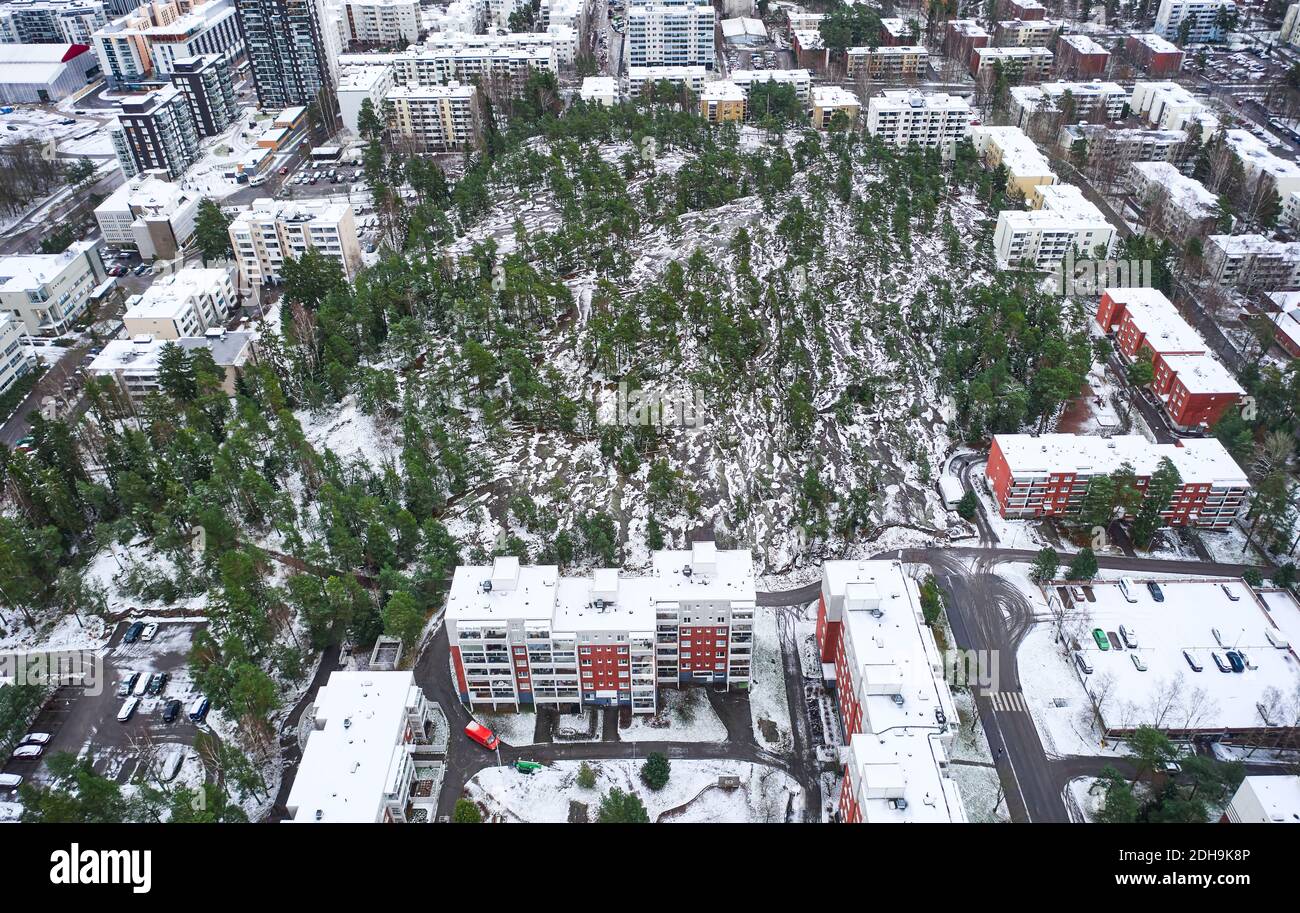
(907, 765)
(1203, 374)
(1200, 461)
(1187, 619)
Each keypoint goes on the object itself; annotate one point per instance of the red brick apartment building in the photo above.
(1194, 388)
(895, 704)
(1021, 9)
(1079, 57)
(1047, 475)
(1157, 57)
(962, 37)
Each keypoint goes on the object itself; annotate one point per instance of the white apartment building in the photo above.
(149, 214)
(896, 709)
(134, 363)
(563, 13)
(1065, 222)
(465, 17)
(500, 11)
(14, 362)
(671, 33)
(1271, 799)
(384, 22)
(145, 44)
(186, 303)
(1178, 204)
(1087, 100)
(358, 766)
(46, 293)
(1206, 17)
(901, 118)
(273, 231)
(1028, 64)
(433, 118)
(1026, 33)
(561, 41)
(1169, 106)
(499, 69)
(800, 79)
(1258, 160)
(639, 77)
(523, 635)
(51, 21)
(357, 84)
(600, 90)
(1253, 262)
(1027, 168)
(889, 62)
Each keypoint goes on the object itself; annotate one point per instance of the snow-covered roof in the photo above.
(28, 272)
(1276, 799)
(901, 777)
(1017, 152)
(898, 99)
(834, 97)
(1187, 193)
(722, 90)
(173, 294)
(1160, 324)
(1084, 45)
(1199, 461)
(1255, 153)
(743, 27)
(1203, 374)
(354, 753)
(1155, 43)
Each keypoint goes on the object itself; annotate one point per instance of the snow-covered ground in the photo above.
(691, 794)
(512, 728)
(768, 706)
(684, 716)
(1085, 797)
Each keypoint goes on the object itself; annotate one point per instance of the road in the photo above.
(51, 384)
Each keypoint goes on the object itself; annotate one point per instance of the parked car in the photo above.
(29, 751)
(1114, 641)
(1078, 595)
(1236, 662)
(1084, 666)
(128, 684)
(1155, 591)
(481, 734)
(1191, 661)
(1218, 661)
(1172, 767)
(149, 631)
(10, 781)
(199, 709)
(1129, 637)
(1128, 588)
(1137, 662)
(128, 710)
(141, 269)
(1229, 592)
(1103, 642)
(133, 633)
(157, 682)
(1218, 638)
(284, 171)
(141, 685)
(36, 738)
(116, 271)
(171, 710)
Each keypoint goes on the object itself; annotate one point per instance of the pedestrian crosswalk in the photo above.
(1008, 701)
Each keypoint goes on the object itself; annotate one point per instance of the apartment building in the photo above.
(827, 101)
(1286, 321)
(560, 42)
(208, 85)
(961, 37)
(150, 214)
(722, 101)
(1175, 205)
(553, 13)
(145, 44)
(639, 77)
(51, 21)
(500, 70)
(1208, 19)
(671, 33)
(523, 635)
(1169, 106)
(810, 50)
(1025, 33)
(1065, 222)
(1021, 65)
(1021, 9)
(895, 705)
(14, 362)
(888, 64)
(1048, 475)
(1123, 146)
(382, 22)
(1192, 386)
(600, 90)
(1074, 101)
(467, 17)
(1259, 162)
(48, 292)
(156, 131)
(1253, 262)
(359, 766)
(1273, 799)
(894, 30)
(292, 50)
(801, 80)
(1080, 57)
(1027, 168)
(134, 363)
(273, 231)
(359, 84)
(433, 118)
(186, 303)
(932, 120)
(1155, 56)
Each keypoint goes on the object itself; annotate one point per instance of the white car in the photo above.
(10, 781)
(128, 709)
(36, 738)
(150, 630)
(29, 751)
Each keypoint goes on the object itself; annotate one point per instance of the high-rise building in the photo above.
(51, 21)
(1209, 19)
(207, 84)
(274, 231)
(156, 131)
(145, 44)
(670, 33)
(48, 292)
(292, 51)
(929, 119)
(433, 118)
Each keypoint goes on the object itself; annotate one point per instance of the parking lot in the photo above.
(84, 720)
